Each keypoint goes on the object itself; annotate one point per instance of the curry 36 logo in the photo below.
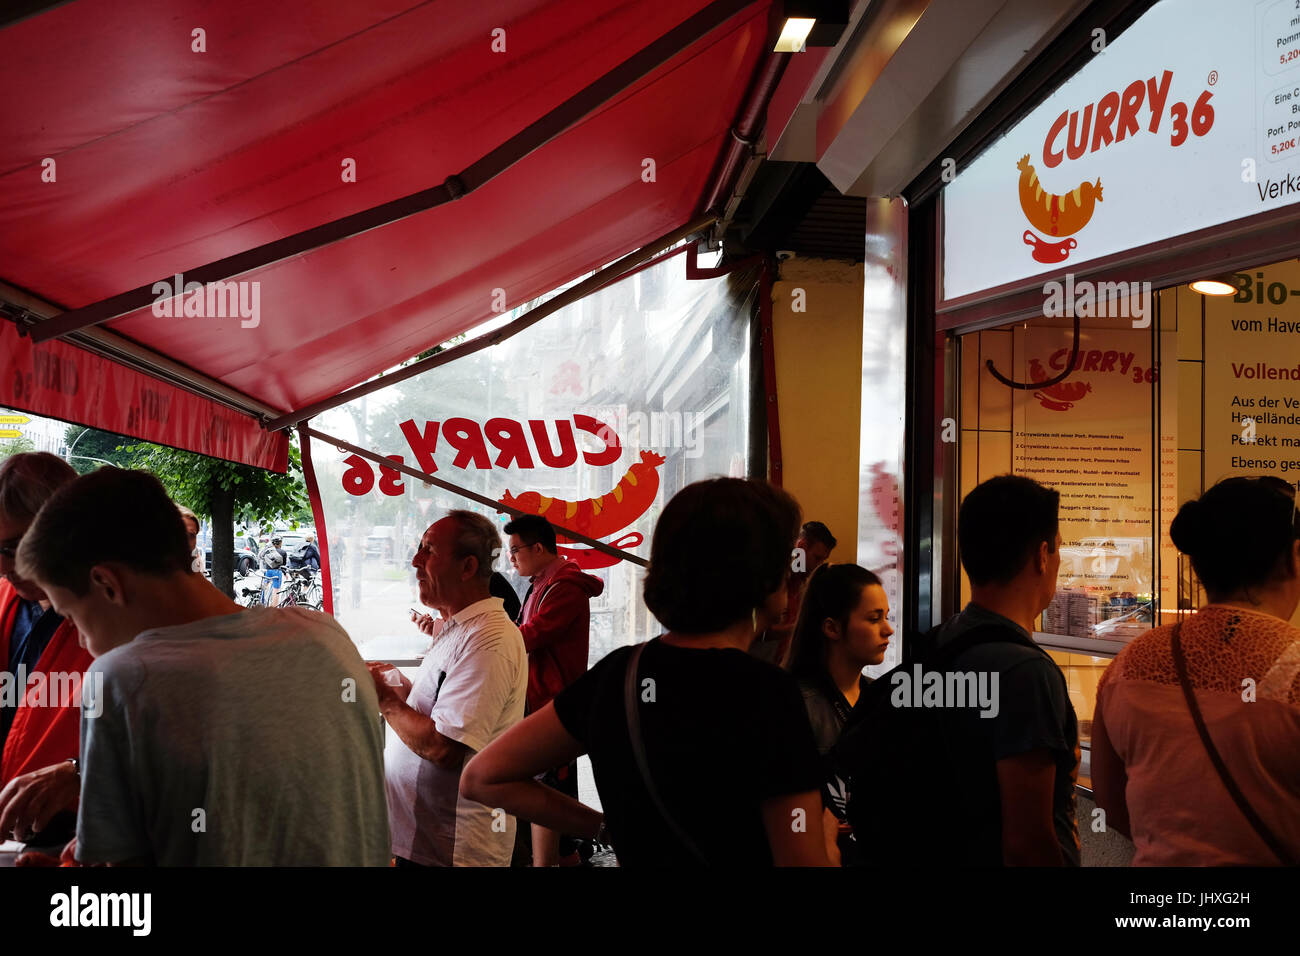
(1063, 396)
(1059, 397)
(1054, 215)
(600, 516)
(520, 444)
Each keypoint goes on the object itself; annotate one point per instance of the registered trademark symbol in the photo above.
(1214, 77)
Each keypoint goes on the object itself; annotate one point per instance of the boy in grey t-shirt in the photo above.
(214, 736)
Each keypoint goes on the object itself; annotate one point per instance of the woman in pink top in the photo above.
(1152, 772)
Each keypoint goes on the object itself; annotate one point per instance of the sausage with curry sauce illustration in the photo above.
(1051, 214)
(605, 514)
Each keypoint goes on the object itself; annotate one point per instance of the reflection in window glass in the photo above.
(1089, 436)
(594, 417)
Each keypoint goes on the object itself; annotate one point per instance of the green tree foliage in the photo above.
(90, 448)
(15, 446)
(223, 490)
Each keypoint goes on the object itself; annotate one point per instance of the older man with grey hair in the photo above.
(470, 689)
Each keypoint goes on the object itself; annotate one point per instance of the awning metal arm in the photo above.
(1069, 367)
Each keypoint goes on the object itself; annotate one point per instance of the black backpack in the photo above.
(907, 789)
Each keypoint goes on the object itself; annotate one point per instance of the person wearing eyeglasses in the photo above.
(555, 622)
(41, 652)
(1196, 732)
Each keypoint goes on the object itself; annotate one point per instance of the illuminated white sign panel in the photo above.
(1189, 119)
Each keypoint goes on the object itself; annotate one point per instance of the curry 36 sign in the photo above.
(1189, 119)
(506, 443)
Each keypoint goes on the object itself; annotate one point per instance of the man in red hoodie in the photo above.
(43, 662)
(555, 623)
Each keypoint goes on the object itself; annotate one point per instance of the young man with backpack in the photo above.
(967, 753)
(272, 558)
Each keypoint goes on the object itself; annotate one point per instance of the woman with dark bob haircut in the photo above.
(702, 754)
(1197, 726)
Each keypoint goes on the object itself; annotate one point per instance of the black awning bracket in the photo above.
(1069, 367)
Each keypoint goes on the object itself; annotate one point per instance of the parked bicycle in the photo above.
(249, 590)
(301, 588)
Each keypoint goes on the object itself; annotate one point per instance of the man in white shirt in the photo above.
(470, 689)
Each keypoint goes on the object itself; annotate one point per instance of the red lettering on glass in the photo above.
(359, 477)
(390, 479)
(463, 435)
(507, 436)
(568, 453)
(423, 443)
(613, 449)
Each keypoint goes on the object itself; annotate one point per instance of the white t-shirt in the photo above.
(472, 683)
(248, 739)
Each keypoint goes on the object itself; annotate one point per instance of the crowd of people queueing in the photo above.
(745, 734)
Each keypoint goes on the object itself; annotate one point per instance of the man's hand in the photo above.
(30, 801)
(428, 623)
(391, 684)
(36, 858)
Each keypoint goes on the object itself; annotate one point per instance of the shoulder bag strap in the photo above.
(1265, 834)
(630, 702)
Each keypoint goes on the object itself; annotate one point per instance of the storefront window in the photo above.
(1223, 397)
(1090, 436)
(594, 417)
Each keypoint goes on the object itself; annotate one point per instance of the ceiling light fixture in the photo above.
(1218, 285)
(806, 23)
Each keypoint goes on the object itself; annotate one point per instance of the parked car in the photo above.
(380, 544)
(245, 556)
(290, 540)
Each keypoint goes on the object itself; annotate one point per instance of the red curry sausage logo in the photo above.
(1059, 397)
(600, 516)
(1054, 215)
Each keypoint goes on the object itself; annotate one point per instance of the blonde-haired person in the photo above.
(192, 532)
(1235, 800)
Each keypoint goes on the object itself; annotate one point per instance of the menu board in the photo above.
(1252, 376)
(1090, 437)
